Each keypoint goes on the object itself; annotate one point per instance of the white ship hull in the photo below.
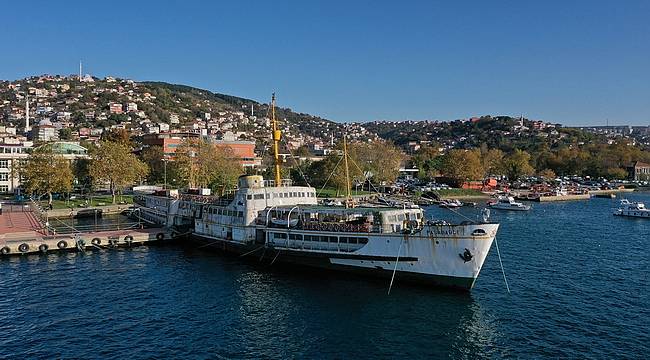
(445, 255)
(633, 213)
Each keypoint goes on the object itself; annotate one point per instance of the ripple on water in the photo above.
(578, 275)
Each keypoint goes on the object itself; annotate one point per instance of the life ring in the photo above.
(160, 236)
(62, 244)
(23, 248)
(5, 250)
(96, 241)
(43, 248)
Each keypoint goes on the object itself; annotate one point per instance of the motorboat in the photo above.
(508, 203)
(632, 209)
(452, 203)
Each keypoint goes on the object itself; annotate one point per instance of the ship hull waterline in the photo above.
(317, 260)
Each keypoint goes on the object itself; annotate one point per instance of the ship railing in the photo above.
(283, 183)
(336, 227)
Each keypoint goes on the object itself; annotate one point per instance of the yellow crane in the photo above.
(277, 135)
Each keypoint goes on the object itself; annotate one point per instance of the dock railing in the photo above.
(55, 226)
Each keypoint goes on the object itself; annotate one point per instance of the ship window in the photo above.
(307, 237)
(286, 195)
(418, 215)
(249, 197)
(343, 240)
(279, 235)
(258, 196)
(295, 237)
(478, 232)
(268, 196)
(352, 240)
(363, 240)
(241, 214)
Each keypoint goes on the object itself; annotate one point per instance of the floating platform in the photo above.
(23, 244)
(21, 232)
(609, 191)
(606, 196)
(563, 197)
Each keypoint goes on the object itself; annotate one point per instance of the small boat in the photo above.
(508, 203)
(283, 222)
(453, 203)
(88, 213)
(632, 209)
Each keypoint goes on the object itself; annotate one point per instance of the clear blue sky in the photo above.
(574, 62)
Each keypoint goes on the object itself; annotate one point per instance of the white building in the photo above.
(45, 131)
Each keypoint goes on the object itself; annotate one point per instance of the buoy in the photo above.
(43, 248)
(160, 236)
(5, 250)
(23, 248)
(96, 241)
(62, 244)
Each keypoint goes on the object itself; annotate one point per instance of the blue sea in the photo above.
(578, 279)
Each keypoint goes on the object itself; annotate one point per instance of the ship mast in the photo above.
(277, 134)
(348, 199)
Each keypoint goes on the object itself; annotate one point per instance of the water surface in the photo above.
(578, 278)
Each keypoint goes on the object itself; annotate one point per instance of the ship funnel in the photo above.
(251, 182)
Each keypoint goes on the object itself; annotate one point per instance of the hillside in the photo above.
(70, 103)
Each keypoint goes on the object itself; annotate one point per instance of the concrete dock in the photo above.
(563, 197)
(21, 232)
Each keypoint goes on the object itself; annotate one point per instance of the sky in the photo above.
(572, 62)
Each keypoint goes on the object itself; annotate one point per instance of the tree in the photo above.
(517, 165)
(380, 159)
(462, 165)
(46, 172)
(113, 163)
(547, 174)
(117, 135)
(492, 161)
(153, 156)
(203, 164)
(428, 161)
(65, 134)
(330, 172)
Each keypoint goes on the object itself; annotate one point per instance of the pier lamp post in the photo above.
(164, 160)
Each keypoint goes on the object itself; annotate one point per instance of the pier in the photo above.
(24, 230)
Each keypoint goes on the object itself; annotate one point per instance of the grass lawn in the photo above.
(93, 201)
(330, 193)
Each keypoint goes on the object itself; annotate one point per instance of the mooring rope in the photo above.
(396, 262)
(252, 251)
(212, 243)
(276, 256)
(330, 176)
(500, 262)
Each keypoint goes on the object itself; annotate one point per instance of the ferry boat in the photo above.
(278, 222)
(508, 203)
(632, 209)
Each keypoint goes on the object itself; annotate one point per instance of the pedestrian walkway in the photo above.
(16, 221)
